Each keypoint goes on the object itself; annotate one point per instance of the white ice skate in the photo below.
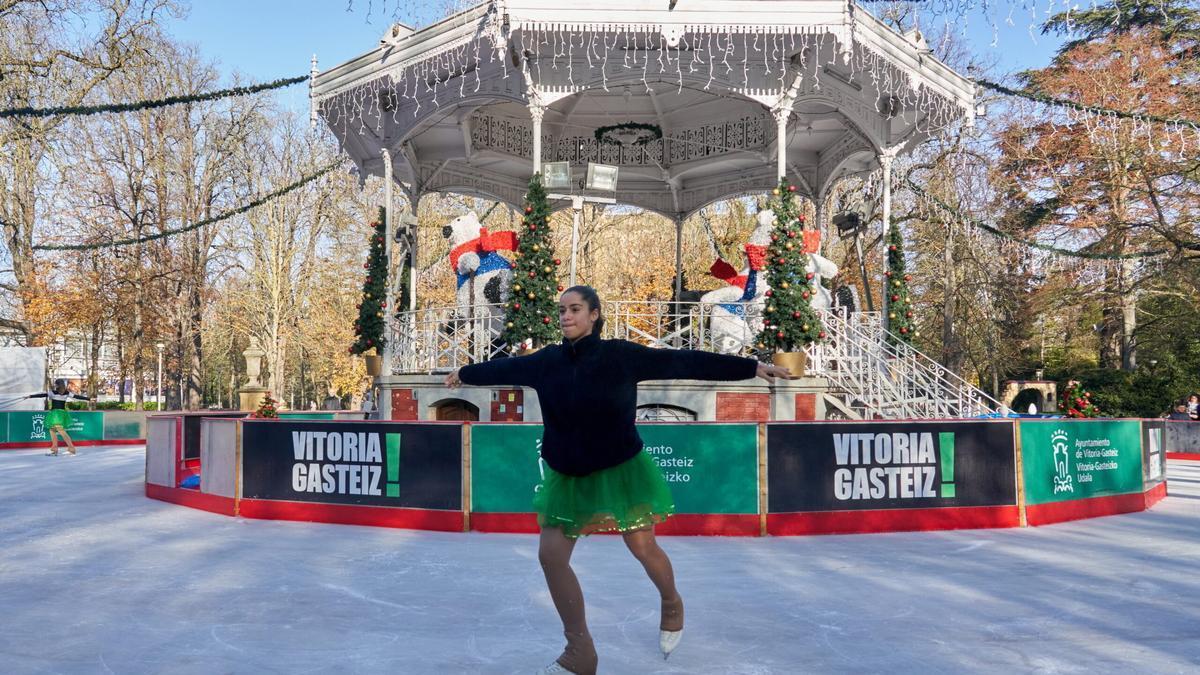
(668, 640)
(672, 614)
(554, 669)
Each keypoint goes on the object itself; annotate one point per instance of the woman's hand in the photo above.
(769, 372)
(452, 380)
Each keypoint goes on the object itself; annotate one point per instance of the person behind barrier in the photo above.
(58, 419)
(1193, 406)
(598, 476)
(1180, 412)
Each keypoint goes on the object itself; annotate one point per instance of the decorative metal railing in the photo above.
(871, 377)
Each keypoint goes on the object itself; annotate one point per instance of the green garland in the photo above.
(187, 228)
(148, 104)
(654, 130)
(1032, 244)
(1063, 103)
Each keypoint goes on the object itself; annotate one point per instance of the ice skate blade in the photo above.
(668, 640)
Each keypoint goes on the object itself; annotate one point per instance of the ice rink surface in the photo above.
(96, 578)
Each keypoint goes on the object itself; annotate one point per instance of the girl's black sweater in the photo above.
(588, 393)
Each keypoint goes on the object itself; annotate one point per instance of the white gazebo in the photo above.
(742, 92)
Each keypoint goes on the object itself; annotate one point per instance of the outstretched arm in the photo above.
(687, 364)
(41, 395)
(522, 371)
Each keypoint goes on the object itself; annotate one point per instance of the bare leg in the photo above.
(554, 554)
(645, 548)
(53, 441)
(67, 438)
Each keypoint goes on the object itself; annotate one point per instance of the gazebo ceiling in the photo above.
(462, 119)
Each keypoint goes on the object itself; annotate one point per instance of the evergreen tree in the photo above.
(789, 322)
(1077, 402)
(369, 325)
(531, 310)
(901, 326)
(266, 409)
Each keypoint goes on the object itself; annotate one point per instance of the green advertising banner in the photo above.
(3, 427)
(711, 468)
(30, 427)
(1065, 460)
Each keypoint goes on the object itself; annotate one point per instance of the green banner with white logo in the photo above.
(3, 427)
(711, 468)
(1065, 460)
(30, 427)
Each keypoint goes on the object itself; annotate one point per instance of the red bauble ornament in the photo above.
(781, 261)
(533, 226)
(366, 266)
(804, 295)
(892, 247)
(557, 261)
(795, 315)
(888, 274)
(768, 294)
(779, 335)
(560, 288)
(801, 219)
(791, 188)
(516, 305)
(895, 298)
(908, 314)
(808, 276)
(791, 234)
(774, 237)
(908, 277)
(903, 330)
(531, 275)
(545, 319)
(821, 335)
(528, 209)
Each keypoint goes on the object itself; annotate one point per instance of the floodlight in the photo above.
(601, 177)
(557, 175)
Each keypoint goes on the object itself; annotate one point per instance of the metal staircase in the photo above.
(877, 379)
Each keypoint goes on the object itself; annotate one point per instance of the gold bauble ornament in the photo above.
(546, 270)
(516, 287)
(783, 285)
(775, 192)
(891, 315)
(770, 310)
(789, 246)
(537, 247)
(531, 296)
(509, 324)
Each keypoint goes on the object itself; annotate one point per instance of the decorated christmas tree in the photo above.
(530, 317)
(901, 326)
(789, 322)
(1077, 402)
(369, 326)
(266, 409)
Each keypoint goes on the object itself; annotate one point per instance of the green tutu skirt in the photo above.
(58, 418)
(626, 497)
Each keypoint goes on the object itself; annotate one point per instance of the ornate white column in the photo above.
(389, 300)
(885, 163)
(781, 112)
(536, 112)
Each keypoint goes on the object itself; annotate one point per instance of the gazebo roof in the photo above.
(454, 102)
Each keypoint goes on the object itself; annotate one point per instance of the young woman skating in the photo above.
(59, 418)
(599, 479)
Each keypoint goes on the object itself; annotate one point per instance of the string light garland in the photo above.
(187, 228)
(1098, 110)
(921, 193)
(150, 103)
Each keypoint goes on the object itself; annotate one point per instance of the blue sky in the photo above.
(269, 39)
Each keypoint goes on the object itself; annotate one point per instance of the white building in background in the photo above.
(70, 359)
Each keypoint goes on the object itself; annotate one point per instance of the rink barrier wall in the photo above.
(1183, 440)
(26, 429)
(748, 479)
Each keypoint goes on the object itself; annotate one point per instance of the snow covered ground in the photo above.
(96, 578)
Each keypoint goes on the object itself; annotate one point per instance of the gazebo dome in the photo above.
(475, 103)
